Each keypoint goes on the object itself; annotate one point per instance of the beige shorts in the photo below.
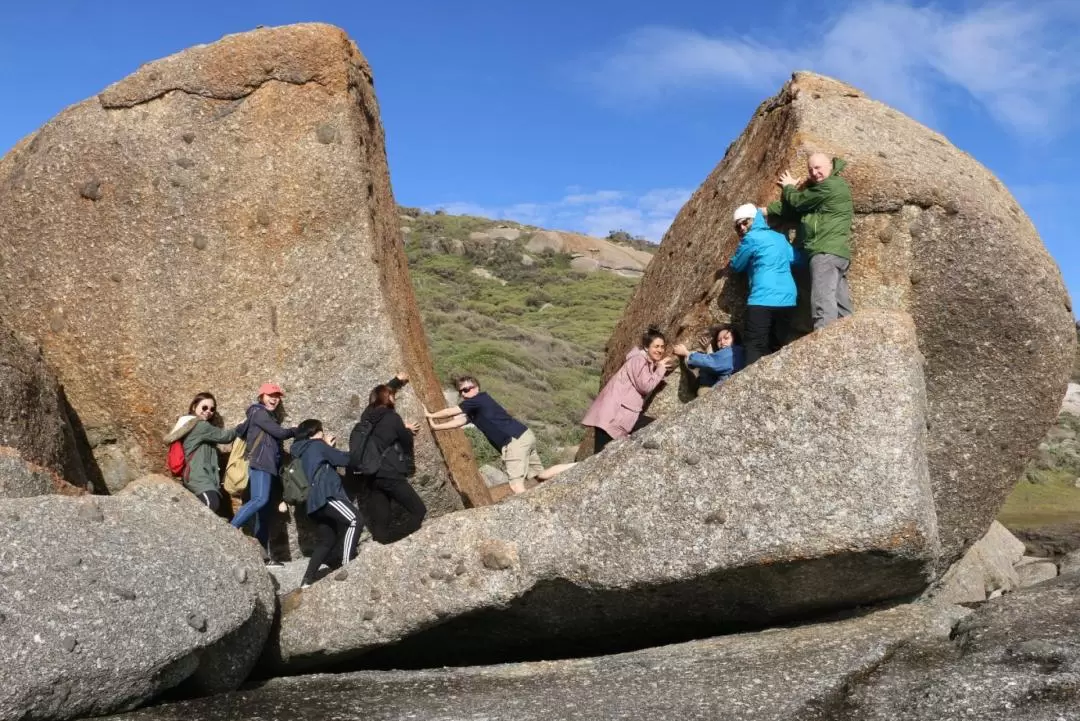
(520, 457)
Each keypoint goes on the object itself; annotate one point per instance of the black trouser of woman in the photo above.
(766, 330)
(602, 438)
(383, 490)
(337, 533)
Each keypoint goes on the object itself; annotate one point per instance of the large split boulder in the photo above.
(935, 234)
(800, 488)
(220, 218)
(107, 602)
(37, 424)
(799, 674)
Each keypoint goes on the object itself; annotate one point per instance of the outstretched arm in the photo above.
(456, 422)
(444, 413)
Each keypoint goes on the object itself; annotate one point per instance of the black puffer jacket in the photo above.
(392, 439)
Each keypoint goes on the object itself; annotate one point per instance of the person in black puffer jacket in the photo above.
(393, 438)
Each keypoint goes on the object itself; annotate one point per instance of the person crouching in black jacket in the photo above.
(337, 520)
(393, 439)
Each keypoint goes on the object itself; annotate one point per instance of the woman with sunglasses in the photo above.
(201, 431)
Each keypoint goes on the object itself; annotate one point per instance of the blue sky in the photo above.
(605, 114)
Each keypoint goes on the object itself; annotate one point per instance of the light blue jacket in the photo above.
(718, 366)
(767, 256)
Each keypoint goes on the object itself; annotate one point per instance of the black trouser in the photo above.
(336, 534)
(212, 499)
(602, 439)
(382, 491)
(766, 330)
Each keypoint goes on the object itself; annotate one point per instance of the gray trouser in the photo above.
(829, 294)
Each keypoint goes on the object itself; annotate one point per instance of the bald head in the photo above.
(818, 167)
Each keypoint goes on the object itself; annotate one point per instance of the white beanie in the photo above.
(746, 211)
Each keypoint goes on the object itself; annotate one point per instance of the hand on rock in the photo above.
(668, 363)
(414, 428)
(680, 350)
(283, 507)
(786, 178)
(403, 377)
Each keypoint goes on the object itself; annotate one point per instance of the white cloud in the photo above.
(1019, 61)
(598, 212)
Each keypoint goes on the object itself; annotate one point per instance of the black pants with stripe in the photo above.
(336, 535)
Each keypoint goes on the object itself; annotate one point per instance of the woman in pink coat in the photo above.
(617, 410)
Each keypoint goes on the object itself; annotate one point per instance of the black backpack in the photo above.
(365, 458)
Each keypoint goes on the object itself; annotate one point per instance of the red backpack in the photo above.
(177, 461)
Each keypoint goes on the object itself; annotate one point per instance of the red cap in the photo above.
(269, 389)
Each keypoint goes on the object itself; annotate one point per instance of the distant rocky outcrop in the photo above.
(729, 515)
(108, 602)
(935, 234)
(592, 254)
(220, 218)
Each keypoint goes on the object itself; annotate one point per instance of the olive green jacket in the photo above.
(203, 472)
(824, 212)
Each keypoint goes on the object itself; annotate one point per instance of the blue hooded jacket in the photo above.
(767, 256)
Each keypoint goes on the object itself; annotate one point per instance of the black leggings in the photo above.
(336, 535)
(212, 499)
(383, 490)
(602, 438)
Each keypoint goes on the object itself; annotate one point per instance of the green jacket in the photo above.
(824, 212)
(203, 472)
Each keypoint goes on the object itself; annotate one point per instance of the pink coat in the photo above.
(619, 404)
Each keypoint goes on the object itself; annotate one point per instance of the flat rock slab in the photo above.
(1017, 658)
(800, 488)
(236, 195)
(935, 234)
(107, 602)
(790, 674)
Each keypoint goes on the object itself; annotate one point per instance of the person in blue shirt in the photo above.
(514, 441)
(715, 367)
(766, 256)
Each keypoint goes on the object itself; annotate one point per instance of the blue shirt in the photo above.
(498, 426)
(767, 257)
(717, 367)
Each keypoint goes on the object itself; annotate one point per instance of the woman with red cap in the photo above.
(263, 433)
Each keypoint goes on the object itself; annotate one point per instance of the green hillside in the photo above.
(536, 342)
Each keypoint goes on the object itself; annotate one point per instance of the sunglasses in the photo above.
(466, 389)
(204, 407)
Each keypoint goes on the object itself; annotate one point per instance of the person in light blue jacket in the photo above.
(727, 357)
(766, 256)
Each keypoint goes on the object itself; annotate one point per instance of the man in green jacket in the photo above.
(822, 206)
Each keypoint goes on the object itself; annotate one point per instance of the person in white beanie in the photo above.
(766, 256)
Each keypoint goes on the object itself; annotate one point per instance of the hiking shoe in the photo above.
(306, 583)
(274, 563)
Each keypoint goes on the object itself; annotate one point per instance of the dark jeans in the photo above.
(766, 330)
(382, 491)
(259, 483)
(336, 535)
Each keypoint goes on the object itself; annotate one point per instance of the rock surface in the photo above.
(1032, 570)
(790, 675)
(988, 566)
(820, 500)
(21, 479)
(935, 234)
(604, 254)
(235, 225)
(1015, 659)
(36, 420)
(107, 602)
